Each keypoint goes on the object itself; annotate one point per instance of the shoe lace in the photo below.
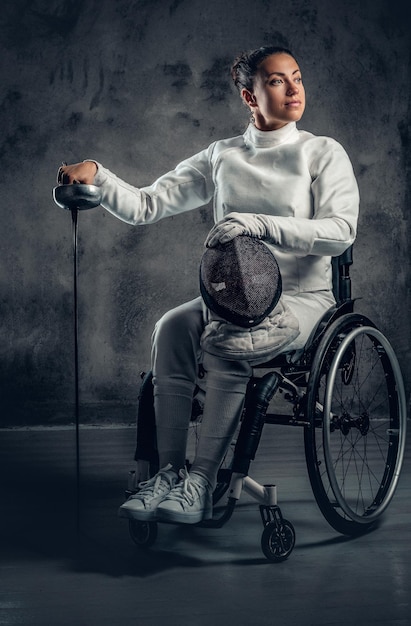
(160, 483)
(187, 490)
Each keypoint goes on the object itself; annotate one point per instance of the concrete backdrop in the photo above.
(139, 85)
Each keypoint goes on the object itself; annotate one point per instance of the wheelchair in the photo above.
(345, 390)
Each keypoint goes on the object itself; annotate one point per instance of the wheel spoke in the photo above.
(357, 386)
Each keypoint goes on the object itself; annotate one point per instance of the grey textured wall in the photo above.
(138, 85)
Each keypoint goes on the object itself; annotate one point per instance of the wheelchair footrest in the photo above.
(218, 522)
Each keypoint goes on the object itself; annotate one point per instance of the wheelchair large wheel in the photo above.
(356, 406)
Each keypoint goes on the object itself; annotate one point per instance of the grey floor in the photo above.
(62, 569)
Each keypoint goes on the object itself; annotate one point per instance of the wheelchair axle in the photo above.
(346, 422)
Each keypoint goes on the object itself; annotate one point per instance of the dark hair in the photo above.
(246, 65)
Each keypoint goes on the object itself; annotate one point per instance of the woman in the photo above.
(295, 191)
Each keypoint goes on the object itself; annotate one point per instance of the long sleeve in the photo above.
(186, 187)
(333, 226)
(322, 224)
(292, 189)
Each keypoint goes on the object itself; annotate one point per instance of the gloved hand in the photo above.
(235, 224)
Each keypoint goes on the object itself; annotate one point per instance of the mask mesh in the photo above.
(240, 280)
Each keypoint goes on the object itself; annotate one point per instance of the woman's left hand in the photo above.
(233, 225)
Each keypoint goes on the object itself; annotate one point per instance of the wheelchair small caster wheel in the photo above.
(144, 534)
(278, 540)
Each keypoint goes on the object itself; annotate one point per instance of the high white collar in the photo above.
(271, 138)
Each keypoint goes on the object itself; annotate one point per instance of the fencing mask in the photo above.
(240, 280)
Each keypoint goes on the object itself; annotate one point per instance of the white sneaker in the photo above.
(189, 502)
(142, 505)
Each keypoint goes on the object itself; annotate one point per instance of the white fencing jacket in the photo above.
(297, 190)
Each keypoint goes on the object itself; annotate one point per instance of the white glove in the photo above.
(235, 224)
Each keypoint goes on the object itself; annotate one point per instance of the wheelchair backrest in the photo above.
(341, 275)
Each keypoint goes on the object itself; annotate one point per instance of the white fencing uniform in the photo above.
(294, 190)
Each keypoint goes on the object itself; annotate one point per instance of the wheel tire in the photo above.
(144, 534)
(277, 544)
(354, 445)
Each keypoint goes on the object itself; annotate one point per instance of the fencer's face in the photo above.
(278, 95)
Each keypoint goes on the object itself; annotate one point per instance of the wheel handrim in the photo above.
(363, 448)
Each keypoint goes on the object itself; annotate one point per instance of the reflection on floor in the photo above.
(50, 574)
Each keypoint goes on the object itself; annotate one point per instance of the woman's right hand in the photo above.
(77, 173)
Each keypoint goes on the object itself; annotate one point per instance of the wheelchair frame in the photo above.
(346, 391)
